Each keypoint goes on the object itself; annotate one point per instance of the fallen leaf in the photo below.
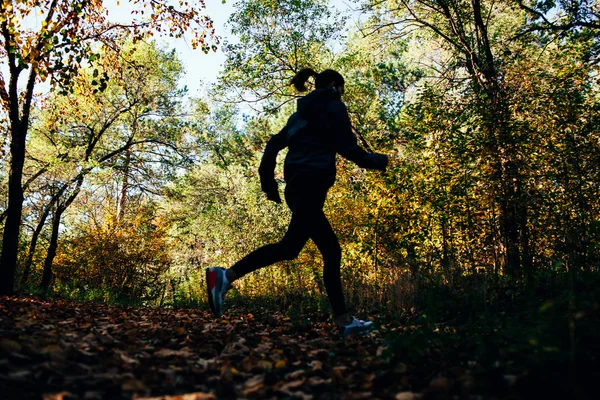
(93, 395)
(316, 365)
(338, 371)
(361, 395)
(440, 383)
(319, 353)
(133, 385)
(265, 365)
(302, 396)
(253, 385)
(256, 380)
(406, 396)
(10, 346)
(55, 396)
(292, 386)
(381, 350)
(184, 352)
(19, 375)
(187, 396)
(295, 374)
(128, 360)
(317, 381)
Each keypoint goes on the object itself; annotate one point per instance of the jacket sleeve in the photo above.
(266, 170)
(345, 142)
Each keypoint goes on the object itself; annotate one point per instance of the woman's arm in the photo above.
(345, 142)
(266, 170)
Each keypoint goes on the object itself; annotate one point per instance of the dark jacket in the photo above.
(318, 130)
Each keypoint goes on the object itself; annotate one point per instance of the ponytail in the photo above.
(322, 80)
(300, 79)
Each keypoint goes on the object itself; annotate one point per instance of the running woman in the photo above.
(314, 134)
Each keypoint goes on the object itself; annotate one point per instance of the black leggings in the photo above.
(305, 200)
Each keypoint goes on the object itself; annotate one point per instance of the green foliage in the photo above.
(129, 134)
(275, 39)
(216, 208)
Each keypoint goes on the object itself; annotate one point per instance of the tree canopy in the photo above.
(51, 40)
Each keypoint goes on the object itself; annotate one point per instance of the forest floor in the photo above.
(59, 349)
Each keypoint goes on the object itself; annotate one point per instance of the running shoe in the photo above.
(217, 285)
(357, 326)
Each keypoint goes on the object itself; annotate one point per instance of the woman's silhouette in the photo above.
(314, 134)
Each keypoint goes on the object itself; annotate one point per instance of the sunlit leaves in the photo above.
(53, 39)
(276, 38)
(56, 37)
(121, 257)
(126, 127)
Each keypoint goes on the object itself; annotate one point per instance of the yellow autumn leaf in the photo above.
(266, 365)
(10, 346)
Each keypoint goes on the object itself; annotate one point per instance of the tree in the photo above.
(277, 38)
(54, 50)
(135, 118)
(470, 30)
(558, 16)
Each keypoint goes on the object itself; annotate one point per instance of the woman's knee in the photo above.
(289, 251)
(332, 255)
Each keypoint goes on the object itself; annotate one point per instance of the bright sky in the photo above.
(200, 67)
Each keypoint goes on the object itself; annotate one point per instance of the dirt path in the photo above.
(75, 350)
(56, 349)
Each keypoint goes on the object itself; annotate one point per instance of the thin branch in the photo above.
(3, 93)
(534, 12)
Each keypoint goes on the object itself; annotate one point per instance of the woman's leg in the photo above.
(305, 204)
(308, 220)
(326, 241)
(287, 249)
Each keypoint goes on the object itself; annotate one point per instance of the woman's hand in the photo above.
(272, 191)
(274, 196)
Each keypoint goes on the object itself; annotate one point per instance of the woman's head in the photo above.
(326, 79)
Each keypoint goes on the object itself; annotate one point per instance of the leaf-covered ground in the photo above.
(58, 349)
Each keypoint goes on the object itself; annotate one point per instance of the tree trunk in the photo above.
(47, 276)
(511, 200)
(510, 230)
(60, 209)
(445, 246)
(12, 228)
(33, 245)
(504, 148)
(527, 258)
(19, 124)
(124, 186)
